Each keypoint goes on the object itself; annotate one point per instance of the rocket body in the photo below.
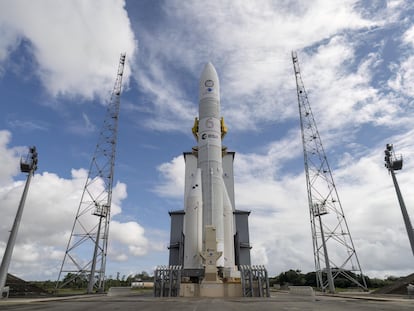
(216, 208)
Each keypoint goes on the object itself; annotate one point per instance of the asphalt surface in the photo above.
(278, 301)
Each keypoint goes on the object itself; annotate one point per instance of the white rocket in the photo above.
(206, 200)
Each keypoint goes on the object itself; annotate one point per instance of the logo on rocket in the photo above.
(209, 83)
(209, 123)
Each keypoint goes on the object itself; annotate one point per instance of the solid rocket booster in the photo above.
(192, 226)
(217, 210)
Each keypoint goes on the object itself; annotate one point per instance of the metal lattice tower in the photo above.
(85, 256)
(330, 232)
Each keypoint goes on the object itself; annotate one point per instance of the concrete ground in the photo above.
(278, 301)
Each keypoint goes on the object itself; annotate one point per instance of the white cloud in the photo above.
(173, 175)
(130, 234)
(76, 44)
(28, 125)
(408, 36)
(341, 52)
(337, 93)
(10, 40)
(403, 68)
(250, 45)
(48, 217)
(280, 230)
(373, 212)
(404, 78)
(9, 159)
(84, 127)
(266, 165)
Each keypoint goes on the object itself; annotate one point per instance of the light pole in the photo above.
(392, 163)
(29, 166)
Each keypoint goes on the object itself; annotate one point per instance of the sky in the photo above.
(58, 64)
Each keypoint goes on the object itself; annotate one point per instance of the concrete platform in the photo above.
(119, 291)
(211, 290)
(278, 301)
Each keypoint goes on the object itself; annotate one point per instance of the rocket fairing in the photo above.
(217, 210)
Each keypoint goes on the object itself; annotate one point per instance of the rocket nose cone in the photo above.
(209, 82)
(209, 66)
(209, 70)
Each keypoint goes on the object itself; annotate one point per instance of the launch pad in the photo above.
(209, 240)
(213, 284)
(173, 281)
(211, 290)
(278, 301)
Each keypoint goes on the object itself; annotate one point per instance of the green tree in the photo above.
(292, 277)
(310, 279)
(72, 280)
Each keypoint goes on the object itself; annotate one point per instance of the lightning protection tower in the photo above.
(334, 251)
(394, 163)
(85, 256)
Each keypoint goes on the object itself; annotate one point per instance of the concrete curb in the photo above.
(45, 299)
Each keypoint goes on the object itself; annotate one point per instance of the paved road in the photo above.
(279, 301)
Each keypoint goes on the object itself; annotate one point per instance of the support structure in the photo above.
(167, 281)
(394, 163)
(255, 281)
(90, 230)
(334, 251)
(28, 166)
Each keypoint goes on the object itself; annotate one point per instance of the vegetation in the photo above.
(78, 284)
(290, 277)
(296, 277)
(126, 281)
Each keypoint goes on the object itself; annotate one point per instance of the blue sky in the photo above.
(58, 62)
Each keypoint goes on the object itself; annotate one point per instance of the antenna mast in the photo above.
(330, 230)
(91, 226)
